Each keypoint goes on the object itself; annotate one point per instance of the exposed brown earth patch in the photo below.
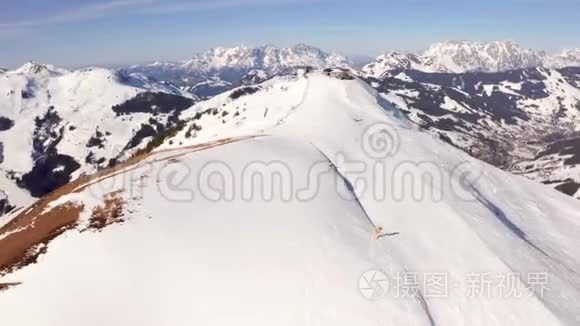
(28, 234)
(110, 212)
(6, 286)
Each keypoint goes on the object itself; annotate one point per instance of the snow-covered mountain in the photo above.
(466, 56)
(220, 66)
(462, 56)
(524, 121)
(566, 58)
(56, 125)
(186, 235)
(269, 58)
(400, 61)
(34, 69)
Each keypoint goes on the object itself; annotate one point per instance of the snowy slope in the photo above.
(182, 236)
(56, 124)
(239, 64)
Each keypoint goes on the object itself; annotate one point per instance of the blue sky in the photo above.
(110, 32)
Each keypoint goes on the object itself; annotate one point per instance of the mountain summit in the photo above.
(33, 68)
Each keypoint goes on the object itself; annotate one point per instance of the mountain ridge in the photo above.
(467, 56)
(57, 124)
(231, 65)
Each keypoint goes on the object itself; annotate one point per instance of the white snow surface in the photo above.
(179, 260)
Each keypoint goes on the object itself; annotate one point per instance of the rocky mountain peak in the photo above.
(33, 68)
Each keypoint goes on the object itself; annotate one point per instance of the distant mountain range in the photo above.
(465, 56)
(212, 72)
(220, 69)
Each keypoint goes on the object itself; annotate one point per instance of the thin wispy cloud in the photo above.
(204, 5)
(98, 10)
(81, 13)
